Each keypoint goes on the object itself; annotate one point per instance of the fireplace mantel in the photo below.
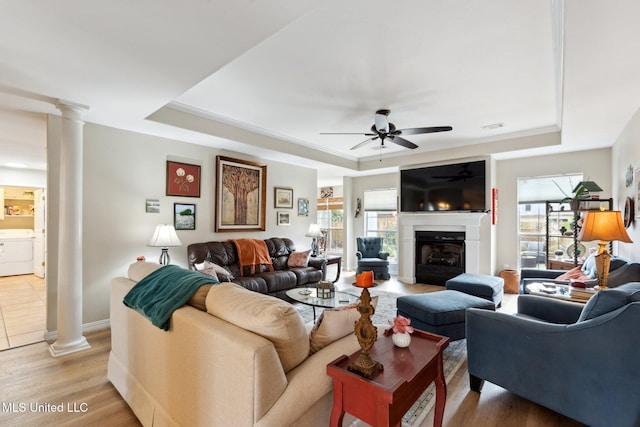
(474, 224)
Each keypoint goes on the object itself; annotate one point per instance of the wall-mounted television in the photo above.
(453, 187)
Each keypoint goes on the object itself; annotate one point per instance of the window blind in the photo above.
(381, 200)
(330, 203)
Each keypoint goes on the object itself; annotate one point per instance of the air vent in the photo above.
(493, 126)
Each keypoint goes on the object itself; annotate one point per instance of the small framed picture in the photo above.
(152, 206)
(184, 216)
(283, 198)
(284, 218)
(183, 179)
(303, 207)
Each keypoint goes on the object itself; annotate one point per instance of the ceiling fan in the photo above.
(383, 130)
(464, 174)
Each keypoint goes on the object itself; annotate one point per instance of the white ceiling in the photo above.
(267, 78)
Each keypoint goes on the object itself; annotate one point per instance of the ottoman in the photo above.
(487, 287)
(442, 312)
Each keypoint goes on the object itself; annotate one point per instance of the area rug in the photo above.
(453, 356)
(385, 309)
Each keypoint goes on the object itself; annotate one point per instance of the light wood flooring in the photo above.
(22, 310)
(29, 375)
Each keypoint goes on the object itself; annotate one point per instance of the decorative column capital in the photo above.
(71, 110)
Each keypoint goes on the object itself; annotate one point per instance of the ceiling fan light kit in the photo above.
(383, 130)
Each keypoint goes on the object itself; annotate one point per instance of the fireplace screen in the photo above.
(439, 256)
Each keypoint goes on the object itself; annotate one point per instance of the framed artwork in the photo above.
(284, 218)
(326, 192)
(241, 189)
(628, 212)
(283, 198)
(183, 179)
(636, 183)
(303, 207)
(184, 216)
(152, 205)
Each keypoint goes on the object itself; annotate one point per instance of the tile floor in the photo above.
(22, 310)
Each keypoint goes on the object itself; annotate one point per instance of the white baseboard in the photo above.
(87, 327)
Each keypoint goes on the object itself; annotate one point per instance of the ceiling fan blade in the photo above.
(403, 142)
(432, 129)
(347, 133)
(363, 143)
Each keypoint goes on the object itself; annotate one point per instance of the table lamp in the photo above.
(314, 232)
(604, 226)
(164, 237)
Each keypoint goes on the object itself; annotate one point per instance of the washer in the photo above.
(16, 252)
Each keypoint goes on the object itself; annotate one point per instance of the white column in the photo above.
(69, 336)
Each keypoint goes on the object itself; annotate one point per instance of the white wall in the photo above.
(593, 164)
(357, 187)
(121, 170)
(22, 177)
(626, 152)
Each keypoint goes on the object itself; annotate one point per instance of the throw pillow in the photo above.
(214, 271)
(589, 266)
(333, 324)
(575, 273)
(609, 300)
(298, 259)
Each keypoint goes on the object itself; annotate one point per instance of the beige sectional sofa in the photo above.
(243, 362)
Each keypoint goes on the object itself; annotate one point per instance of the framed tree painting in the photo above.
(183, 179)
(240, 195)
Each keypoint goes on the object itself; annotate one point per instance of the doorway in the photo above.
(22, 268)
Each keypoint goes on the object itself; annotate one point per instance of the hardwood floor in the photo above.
(31, 377)
(34, 384)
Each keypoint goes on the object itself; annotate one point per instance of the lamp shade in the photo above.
(164, 236)
(603, 225)
(314, 231)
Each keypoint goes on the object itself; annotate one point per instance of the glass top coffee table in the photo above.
(309, 296)
(559, 291)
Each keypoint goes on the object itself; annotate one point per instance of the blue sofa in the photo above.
(621, 271)
(577, 359)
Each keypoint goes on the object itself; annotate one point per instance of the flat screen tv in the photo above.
(454, 187)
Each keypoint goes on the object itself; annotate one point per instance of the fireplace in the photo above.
(439, 256)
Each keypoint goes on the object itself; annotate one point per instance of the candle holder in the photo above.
(325, 290)
(367, 335)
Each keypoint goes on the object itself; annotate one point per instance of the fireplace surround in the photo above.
(476, 227)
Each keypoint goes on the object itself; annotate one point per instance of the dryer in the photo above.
(16, 251)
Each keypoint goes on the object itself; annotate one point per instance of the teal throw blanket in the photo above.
(164, 291)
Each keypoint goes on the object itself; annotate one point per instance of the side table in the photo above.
(335, 259)
(385, 398)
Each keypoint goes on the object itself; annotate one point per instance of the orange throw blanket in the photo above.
(252, 252)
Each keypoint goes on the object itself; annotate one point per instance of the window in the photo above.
(532, 216)
(330, 219)
(381, 220)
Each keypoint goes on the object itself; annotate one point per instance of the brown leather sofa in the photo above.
(275, 282)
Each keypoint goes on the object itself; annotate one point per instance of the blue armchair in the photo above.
(578, 360)
(371, 257)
